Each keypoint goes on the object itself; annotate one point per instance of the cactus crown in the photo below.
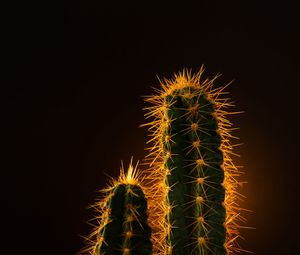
(191, 165)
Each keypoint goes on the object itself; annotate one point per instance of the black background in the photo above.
(72, 78)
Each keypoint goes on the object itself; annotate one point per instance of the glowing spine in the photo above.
(190, 162)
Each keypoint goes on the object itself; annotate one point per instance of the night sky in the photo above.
(72, 79)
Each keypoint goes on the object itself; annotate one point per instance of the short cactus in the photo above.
(190, 162)
(123, 226)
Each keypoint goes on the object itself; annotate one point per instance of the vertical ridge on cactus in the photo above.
(191, 168)
(122, 225)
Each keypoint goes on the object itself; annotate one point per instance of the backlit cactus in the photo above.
(191, 184)
(191, 164)
(123, 223)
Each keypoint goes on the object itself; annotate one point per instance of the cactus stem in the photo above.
(123, 222)
(190, 131)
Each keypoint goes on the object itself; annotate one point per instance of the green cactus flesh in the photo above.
(124, 229)
(195, 196)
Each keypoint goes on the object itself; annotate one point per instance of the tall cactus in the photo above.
(191, 169)
(123, 217)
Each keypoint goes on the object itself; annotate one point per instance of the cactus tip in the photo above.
(131, 176)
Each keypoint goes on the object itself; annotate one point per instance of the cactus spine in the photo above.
(190, 160)
(123, 222)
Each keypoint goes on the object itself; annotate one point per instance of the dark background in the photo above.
(72, 78)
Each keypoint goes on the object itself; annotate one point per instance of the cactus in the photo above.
(190, 162)
(191, 184)
(123, 226)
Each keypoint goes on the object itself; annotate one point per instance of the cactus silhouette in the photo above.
(123, 226)
(191, 186)
(191, 169)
